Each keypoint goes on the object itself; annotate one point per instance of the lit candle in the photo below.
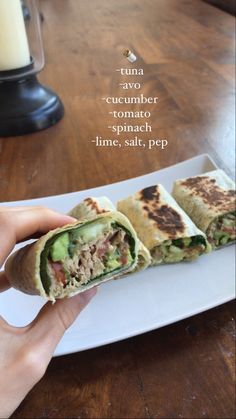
(14, 48)
(131, 57)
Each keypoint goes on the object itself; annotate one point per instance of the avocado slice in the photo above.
(59, 249)
(113, 264)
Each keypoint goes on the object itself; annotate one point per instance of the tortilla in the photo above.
(209, 200)
(76, 257)
(163, 227)
(91, 207)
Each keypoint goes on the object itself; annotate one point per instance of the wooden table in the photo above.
(185, 48)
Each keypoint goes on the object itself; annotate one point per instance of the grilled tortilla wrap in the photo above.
(209, 200)
(91, 207)
(163, 226)
(76, 257)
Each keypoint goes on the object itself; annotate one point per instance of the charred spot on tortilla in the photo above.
(167, 219)
(150, 194)
(193, 181)
(211, 194)
(94, 206)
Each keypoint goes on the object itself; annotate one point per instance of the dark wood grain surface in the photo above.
(186, 48)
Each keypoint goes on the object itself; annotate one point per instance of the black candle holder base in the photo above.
(26, 107)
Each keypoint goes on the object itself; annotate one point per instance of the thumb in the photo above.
(53, 320)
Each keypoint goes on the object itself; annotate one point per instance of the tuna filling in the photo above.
(222, 230)
(171, 251)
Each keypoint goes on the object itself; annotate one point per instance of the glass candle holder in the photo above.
(26, 105)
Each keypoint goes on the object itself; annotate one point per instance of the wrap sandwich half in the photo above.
(92, 207)
(163, 227)
(209, 200)
(76, 257)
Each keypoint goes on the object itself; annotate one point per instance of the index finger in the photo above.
(19, 223)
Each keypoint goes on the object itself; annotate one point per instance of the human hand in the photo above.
(25, 352)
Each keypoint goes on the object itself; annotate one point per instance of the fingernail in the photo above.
(69, 220)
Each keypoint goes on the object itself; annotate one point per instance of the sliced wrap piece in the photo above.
(209, 200)
(163, 227)
(71, 259)
(91, 207)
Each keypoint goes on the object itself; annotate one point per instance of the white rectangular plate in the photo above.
(142, 302)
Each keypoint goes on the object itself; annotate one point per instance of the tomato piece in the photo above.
(59, 273)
